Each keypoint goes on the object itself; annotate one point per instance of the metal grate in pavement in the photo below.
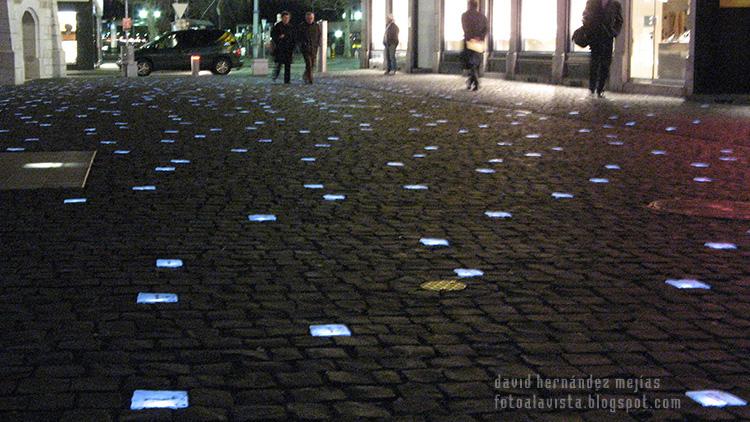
(39, 170)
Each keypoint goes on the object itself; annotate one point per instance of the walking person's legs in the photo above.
(392, 58)
(276, 71)
(594, 66)
(605, 61)
(287, 72)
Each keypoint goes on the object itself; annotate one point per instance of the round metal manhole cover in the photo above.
(704, 208)
(444, 285)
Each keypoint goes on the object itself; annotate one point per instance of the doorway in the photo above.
(660, 41)
(30, 48)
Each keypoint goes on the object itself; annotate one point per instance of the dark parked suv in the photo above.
(218, 50)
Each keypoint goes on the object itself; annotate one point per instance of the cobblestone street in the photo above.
(540, 190)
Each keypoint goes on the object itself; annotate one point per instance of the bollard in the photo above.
(195, 65)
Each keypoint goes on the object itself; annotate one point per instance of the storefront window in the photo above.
(68, 26)
(501, 25)
(539, 25)
(660, 39)
(401, 17)
(378, 24)
(454, 32)
(576, 20)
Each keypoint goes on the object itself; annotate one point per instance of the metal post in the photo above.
(323, 53)
(256, 30)
(195, 65)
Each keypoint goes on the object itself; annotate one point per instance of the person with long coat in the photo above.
(390, 42)
(282, 36)
(308, 39)
(603, 20)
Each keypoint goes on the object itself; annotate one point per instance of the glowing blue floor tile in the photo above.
(261, 217)
(431, 148)
(533, 154)
(304, 131)
(322, 145)
(164, 169)
(146, 187)
(168, 263)
(495, 161)
(533, 136)
(703, 179)
(727, 151)
(158, 399)
(658, 152)
(121, 152)
(74, 201)
(598, 180)
(612, 167)
(314, 186)
(700, 165)
(728, 158)
(394, 164)
(419, 155)
(334, 197)
(468, 272)
(415, 187)
(171, 131)
(308, 159)
(179, 161)
(333, 138)
(483, 126)
(413, 129)
(239, 150)
(199, 136)
(107, 142)
(498, 214)
(463, 131)
(616, 143)
(687, 284)
(430, 241)
(671, 129)
(12, 149)
(484, 171)
(31, 140)
(697, 121)
(216, 129)
(265, 141)
(504, 144)
(584, 130)
(573, 113)
(722, 246)
(715, 398)
(156, 298)
(330, 330)
(631, 124)
(562, 195)
(167, 141)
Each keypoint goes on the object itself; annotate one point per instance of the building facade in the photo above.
(672, 47)
(30, 45)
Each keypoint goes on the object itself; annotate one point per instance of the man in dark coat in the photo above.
(282, 35)
(475, 30)
(390, 42)
(308, 37)
(603, 18)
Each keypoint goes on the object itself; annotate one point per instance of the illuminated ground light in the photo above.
(330, 330)
(158, 399)
(598, 180)
(616, 143)
(504, 144)
(334, 197)
(728, 158)
(658, 152)
(687, 284)
(532, 154)
(495, 161)
(431, 241)
(144, 188)
(265, 141)
(562, 195)
(147, 298)
(722, 246)
(415, 187)
(498, 214)
(239, 150)
(431, 148)
(107, 142)
(43, 165)
(179, 161)
(74, 201)
(308, 159)
(631, 124)
(167, 141)
(164, 169)
(703, 179)
(671, 129)
(333, 138)
(199, 136)
(313, 186)
(121, 152)
(533, 136)
(463, 131)
(443, 285)
(612, 167)
(715, 398)
(584, 130)
(700, 165)
(322, 145)
(556, 148)
(261, 217)
(419, 155)
(394, 164)
(168, 263)
(468, 272)
(484, 171)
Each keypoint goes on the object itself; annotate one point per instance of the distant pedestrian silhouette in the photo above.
(602, 19)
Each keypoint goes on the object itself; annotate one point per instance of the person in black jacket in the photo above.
(308, 38)
(603, 18)
(475, 30)
(390, 41)
(282, 35)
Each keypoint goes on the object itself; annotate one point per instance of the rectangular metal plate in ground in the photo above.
(38, 170)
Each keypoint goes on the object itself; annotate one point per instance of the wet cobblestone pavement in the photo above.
(542, 191)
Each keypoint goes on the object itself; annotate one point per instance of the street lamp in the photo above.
(357, 15)
(157, 14)
(143, 13)
(338, 33)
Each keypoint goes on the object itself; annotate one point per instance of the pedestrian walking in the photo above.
(475, 32)
(308, 37)
(282, 36)
(602, 19)
(390, 41)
